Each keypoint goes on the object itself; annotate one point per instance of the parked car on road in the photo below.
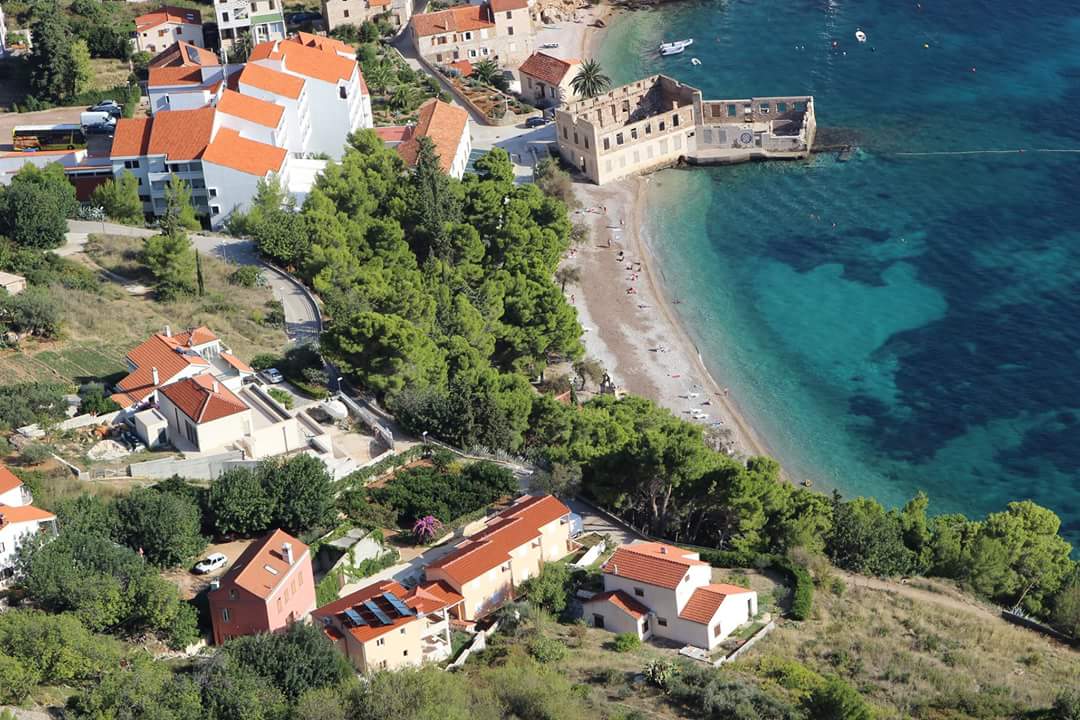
(213, 561)
(535, 122)
(299, 18)
(272, 376)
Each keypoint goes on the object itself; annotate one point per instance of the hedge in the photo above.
(802, 597)
(127, 95)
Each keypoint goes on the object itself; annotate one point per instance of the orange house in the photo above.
(268, 588)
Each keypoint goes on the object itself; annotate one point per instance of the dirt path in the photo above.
(943, 596)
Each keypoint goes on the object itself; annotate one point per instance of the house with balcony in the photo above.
(385, 627)
(545, 79)
(356, 12)
(19, 521)
(184, 77)
(498, 30)
(654, 589)
(505, 550)
(269, 587)
(157, 30)
(261, 20)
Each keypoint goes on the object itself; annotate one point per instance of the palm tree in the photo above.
(379, 76)
(590, 80)
(402, 97)
(485, 71)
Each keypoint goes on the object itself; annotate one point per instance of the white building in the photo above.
(656, 589)
(448, 128)
(184, 77)
(19, 520)
(3, 34)
(158, 30)
(261, 19)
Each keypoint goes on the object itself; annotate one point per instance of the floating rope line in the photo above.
(1018, 151)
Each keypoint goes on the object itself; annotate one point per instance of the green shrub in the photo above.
(283, 397)
(245, 276)
(547, 650)
(36, 453)
(1067, 705)
(661, 673)
(834, 699)
(626, 642)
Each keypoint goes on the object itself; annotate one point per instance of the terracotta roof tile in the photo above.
(8, 480)
(167, 13)
(197, 398)
(444, 124)
(327, 43)
(236, 363)
(180, 75)
(504, 5)
(306, 60)
(652, 563)
(394, 134)
(131, 137)
(622, 601)
(547, 68)
(181, 54)
(272, 81)
(462, 66)
(170, 355)
(706, 600)
(177, 134)
(513, 527)
(456, 19)
(231, 150)
(23, 513)
(251, 108)
(426, 598)
(250, 573)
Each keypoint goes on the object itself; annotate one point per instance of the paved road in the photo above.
(8, 121)
(526, 146)
(302, 319)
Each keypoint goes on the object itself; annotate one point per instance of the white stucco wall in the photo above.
(234, 188)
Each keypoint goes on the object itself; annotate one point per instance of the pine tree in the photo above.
(198, 274)
(435, 204)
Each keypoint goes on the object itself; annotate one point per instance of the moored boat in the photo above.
(676, 47)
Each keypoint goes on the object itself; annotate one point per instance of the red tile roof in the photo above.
(326, 43)
(455, 19)
(8, 480)
(180, 75)
(547, 68)
(508, 530)
(168, 14)
(236, 363)
(250, 572)
(231, 150)
(504, 5)
(652, 563)
(23, 513)
(272, 81)
(181, 134)
(202, 398)
(170, 355)
(394, 134)
(307, 60)
(622, 601)
(462, 66)
(131, 137)
(246, 107)
(706, 600)
(181, 54)
(444, 124)
(426, 598)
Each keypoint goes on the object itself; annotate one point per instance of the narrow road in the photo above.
(303, 322)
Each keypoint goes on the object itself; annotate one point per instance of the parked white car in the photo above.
(272, 376)
(213, 561)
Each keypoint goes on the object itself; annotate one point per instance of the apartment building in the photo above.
(448, 128)
(511, 547)
(262, 20)
(659, 121)
(184, 77)
(654, 589)
(385, 627)
(157, 30)
(269, 587)
(356, 12)
(19, 520)
(498, 30)
(545, 79)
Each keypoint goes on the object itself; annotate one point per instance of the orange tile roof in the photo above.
(181, 54)
(462, 66)
(202, 398)
(170, 355)
(180, 75)
(181, 134)
(652, 563)
(131, 137)
(8, 480)
(504, 5)
(547, 68)
(444, 124)
(273, 81)
(168, 14)
(231, 150)
(23, 513)
(250, 573)
(455, 19)
(306, 60)
(327, 43)
(394, 133)
(426, 598)
(622, 601)
(251, 108)
(236, 363)
(508, 530)
(706, 600)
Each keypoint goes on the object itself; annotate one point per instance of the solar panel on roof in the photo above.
(354, 617)
(377, 612)
(402, 609)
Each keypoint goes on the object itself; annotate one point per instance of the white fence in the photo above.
(201, 468)
(591, 555)
(479, 642)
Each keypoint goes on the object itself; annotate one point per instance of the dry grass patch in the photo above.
(108, 73)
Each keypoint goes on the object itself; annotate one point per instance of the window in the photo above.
(639, 592)
(191, 433)
(404, 653)
(467, 36)
(675, 120)
(225, 614)
(380, 642)
(402, 631)
(648, 128)
(509, 15)
(662, 126)
(346, 13)
(342, 92)
(575, 138)
(564, 134)
(528, 80)
(607, 143)
(633, 133)
(509, 30)
(213, 192)
(781, 107)
(131, 164)
(685, 577)
(662, 622)
(618, 139)
(764, 108)
(232, 594)
(716, 630)
(472, 53)
(3, 548)
(254, 8)
(586, 143)
(215, 210)
(279, 604)
(382, 664)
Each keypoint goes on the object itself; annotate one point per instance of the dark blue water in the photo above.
(896, 322)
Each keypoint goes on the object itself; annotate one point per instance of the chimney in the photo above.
(168, 331)
(286, 552)
(214, 387)
(663, 550)
(154, 375)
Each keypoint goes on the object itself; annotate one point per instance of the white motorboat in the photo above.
(676, 47)
(860, 35)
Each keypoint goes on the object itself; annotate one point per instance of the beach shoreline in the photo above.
(631, 324)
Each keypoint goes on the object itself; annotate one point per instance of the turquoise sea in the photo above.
(896, 322)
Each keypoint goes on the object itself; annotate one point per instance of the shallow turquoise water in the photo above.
(894, 322)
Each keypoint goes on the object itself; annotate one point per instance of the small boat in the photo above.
(676, 47)
(695, 61)
(860, 35)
